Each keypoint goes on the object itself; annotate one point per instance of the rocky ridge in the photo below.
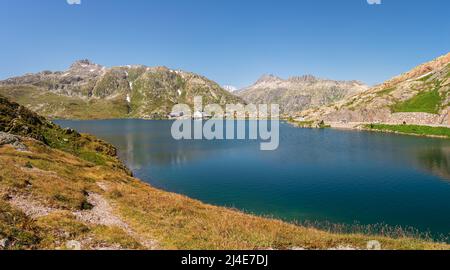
(299, 93)
(419, 96)
(91, 91)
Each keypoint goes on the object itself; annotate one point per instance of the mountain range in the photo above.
(419, 96)
(91, 91)
(299, 93)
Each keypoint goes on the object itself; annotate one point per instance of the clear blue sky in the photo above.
(230, 41)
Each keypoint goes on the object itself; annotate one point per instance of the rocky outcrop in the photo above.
(299, 93)
(16, 119)
(9, 139)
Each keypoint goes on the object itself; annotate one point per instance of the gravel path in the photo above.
(30, 207)
(100, 214)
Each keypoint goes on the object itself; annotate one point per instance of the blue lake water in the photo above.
(318, 175)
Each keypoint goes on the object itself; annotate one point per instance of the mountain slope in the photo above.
(420, 96)
(298, 93)
(90, 91)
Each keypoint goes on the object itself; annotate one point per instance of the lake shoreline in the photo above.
(185, 177)
(364, 126)
(132, 204)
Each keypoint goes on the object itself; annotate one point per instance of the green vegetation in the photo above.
(385, 91)
(411, 129)
(428, 102)
(109, 84)
(323, 125)
(64, 107)
(18, 120)
(153, 93)
(135, 73)
(18, 227)
(46, 232)
(351, 102)
(308, 124)
(303, 124)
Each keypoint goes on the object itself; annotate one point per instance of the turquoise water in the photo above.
(318, 175)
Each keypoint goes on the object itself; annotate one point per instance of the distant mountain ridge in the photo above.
(419, 96)
(91, 91)
(230, 88)
(298, 93)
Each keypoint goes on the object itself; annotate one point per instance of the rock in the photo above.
(70, 131)
(298, 248)
(7, 197)
(6, 138)
(299, 93)
(4, 243)
(374, 245)
(73, 245)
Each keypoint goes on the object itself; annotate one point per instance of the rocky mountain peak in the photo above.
(85, 64)
(82, 63)
(299, 92)
(85, 69)
(230, 88)
(303, 78)
(267, 78)
(113, 92)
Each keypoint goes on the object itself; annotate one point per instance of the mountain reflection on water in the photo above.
(436, 160)
(139, 149)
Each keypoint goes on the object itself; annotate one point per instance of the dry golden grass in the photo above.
(59, 180)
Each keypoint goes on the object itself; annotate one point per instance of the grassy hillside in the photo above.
(90, 91)
(57, 106)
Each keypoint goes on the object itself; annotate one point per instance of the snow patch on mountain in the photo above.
(230, 88)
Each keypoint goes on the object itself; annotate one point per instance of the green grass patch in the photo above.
(427, 102)
(385, 91)
(323, 125)
(17, 228)
(412, 129)
(308, 124)
(305, 124)
(93, 157)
